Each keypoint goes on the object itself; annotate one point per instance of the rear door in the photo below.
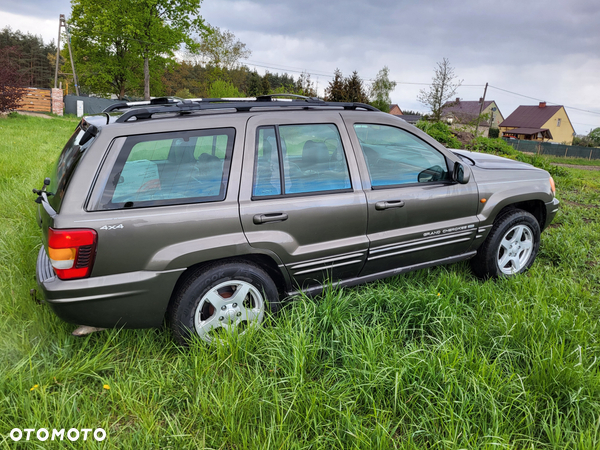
(417, 214)
(301, 197)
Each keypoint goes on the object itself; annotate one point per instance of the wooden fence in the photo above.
(36, 100)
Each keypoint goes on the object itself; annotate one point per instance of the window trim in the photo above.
(104, 202)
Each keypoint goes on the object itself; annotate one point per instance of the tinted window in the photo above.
(311, 158)
(267, 175)
(170, 168)
(395, 156)
(65, 166)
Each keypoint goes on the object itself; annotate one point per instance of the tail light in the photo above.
(71, 252)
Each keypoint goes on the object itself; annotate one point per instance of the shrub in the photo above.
(440, 132)
(11, 80)
(500, 147)
(223, 89)
(494, 133)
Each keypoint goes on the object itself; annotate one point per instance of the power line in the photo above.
(540, 100)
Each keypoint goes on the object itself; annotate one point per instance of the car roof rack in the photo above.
(187, 106)
(151, 102)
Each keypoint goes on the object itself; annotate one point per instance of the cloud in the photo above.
(546, 49)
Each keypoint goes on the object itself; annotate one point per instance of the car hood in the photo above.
(493, 162)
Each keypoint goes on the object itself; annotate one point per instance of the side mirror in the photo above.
(459, 174)
(434, 173)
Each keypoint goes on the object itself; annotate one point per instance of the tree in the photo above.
(115, 52)
(219, 48)
(265, 86)
(442, 89)
(381, 89)
(594, 136)
(304, 86)
(355, 91)
(336, 90)
(32, 62)
(223, 89)
(254, 84)
(11, 80)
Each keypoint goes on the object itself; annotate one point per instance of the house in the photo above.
(395, 110)
(539, 123)
(466, 112)
(410, 118)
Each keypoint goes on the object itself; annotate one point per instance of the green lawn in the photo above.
(434, 359)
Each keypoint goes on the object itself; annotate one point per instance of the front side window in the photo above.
(299, 159)
(396, 157)
(170, 168)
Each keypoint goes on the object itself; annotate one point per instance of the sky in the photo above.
(527, 51)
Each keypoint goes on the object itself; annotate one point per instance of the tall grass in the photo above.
(431, 359)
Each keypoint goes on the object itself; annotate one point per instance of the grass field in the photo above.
(430, 360)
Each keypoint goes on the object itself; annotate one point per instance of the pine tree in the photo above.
(354, 88)
(335, 91)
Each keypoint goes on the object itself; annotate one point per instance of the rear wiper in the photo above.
(39, 192)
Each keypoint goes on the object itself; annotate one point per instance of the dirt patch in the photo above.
(464, 137)
(33, 114)
(555, 225)
(576, 166)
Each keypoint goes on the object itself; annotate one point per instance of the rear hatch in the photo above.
(52, 193)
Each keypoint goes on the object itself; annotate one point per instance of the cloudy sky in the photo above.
(526, 50)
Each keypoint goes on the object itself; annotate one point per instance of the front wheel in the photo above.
(222, 298)
(510, 248)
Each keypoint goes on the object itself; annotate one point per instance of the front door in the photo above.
(417, 214)
(301, 197)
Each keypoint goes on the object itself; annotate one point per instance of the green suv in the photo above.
(210, 212)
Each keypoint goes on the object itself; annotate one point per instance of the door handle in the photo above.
(380, 206)
(271, 217)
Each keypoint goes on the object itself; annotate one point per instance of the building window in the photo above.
(558, 122)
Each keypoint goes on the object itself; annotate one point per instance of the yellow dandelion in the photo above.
(439, 294)
(106, 386)
(35, 386)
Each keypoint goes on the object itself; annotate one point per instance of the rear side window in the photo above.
(298, 160)
(170, 168)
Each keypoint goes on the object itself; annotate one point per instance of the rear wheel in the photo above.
(510, 248)
(222, 298)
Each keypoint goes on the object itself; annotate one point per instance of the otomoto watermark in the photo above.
(45, 434)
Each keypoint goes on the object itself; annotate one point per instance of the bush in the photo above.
(494, 133)
(440, 132)
(500, 147)
(223, 89)
(11, 80)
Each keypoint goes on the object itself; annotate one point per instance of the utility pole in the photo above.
(62, 23)
(480, 110)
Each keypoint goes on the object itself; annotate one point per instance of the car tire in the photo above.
(510, 248)
(230, 296)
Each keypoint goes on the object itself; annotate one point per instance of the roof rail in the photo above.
(151, 102)
(238, 104)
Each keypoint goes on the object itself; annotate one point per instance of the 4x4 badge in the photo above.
(112, 227)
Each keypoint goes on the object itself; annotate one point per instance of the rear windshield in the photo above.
(65, 166)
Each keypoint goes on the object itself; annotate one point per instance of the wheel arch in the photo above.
(536, 208)
(265, 262)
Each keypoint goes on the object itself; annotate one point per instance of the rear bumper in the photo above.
(129, 300)
(551, 210)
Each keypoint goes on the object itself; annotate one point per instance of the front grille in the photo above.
(44, 268)
(84, 256)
